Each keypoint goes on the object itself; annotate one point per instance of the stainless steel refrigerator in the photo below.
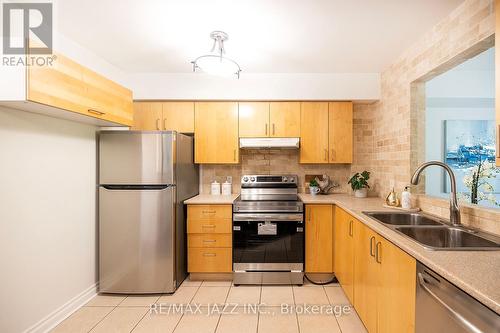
(144, 177)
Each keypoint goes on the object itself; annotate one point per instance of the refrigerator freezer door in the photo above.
(136, 240)
(135, 157)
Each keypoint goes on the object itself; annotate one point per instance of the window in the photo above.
(460, 131)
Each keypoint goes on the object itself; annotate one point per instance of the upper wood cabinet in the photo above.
(178, 116)
(340, 134)
(274, 119)
(216, 132)
(173, 116)
(253, 119)
(314, 132)
(147, 116)
(284, 119)
(343, 252)
(319, 239)
(70, 86)
(326, 132)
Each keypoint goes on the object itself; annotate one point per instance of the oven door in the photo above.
(268, 242)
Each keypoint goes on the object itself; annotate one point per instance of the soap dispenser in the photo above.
(406, 198)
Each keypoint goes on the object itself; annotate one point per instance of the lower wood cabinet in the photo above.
(344, 251)
(319, 239)
(380, 278)
(209, 238)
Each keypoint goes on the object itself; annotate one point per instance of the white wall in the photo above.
(47, 216)
(314, 86)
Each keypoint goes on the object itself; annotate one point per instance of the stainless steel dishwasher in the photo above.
(442, 307)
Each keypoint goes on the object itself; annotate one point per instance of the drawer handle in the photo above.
(209, 241)
(210, 254)
(208, 211)
(208, 226)
(157, 124)
(96, 112)
(351, 228)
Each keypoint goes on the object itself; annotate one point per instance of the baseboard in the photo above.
(57, 316)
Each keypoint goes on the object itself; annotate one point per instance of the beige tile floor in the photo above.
(111, 313)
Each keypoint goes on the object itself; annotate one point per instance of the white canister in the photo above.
(406, 198)
(215, 188)
(226, 188)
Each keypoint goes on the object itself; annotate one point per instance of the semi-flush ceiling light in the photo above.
(217, 63)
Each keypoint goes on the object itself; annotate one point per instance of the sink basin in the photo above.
(408, 219)
(435, 233)
(448, 238)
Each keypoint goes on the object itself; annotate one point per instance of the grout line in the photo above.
(144, 315)
(102, 319)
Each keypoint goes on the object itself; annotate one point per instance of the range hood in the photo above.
(253, 143)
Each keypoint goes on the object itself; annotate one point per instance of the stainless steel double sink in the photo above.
(435, 233)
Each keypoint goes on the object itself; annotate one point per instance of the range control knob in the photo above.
(285, 179)
(292, 180)
(252, 179)
(245, 179)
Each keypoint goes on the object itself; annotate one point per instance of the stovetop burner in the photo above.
(268, 193)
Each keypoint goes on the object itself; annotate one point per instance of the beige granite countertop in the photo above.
(208, 199)
(475, 272)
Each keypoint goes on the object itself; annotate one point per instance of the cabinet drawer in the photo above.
(212, 226)
(216, 260)
(210, 212)
(210, 240)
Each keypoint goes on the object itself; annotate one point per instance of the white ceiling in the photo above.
(265, 36)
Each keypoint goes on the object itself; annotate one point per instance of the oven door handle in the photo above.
(268, 217)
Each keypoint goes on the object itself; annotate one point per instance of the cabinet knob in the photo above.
(165, 123)
(157, 124)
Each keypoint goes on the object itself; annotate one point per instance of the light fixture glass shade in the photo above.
(217, 65)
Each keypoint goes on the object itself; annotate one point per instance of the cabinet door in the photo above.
(343, 252)
(396, 289)
(107, 99)
(216, 132)
(147, 116)
(60, 85)
(365, 275)
(319, 239)
(254, 119)
(340, 132)
(178, 116)
(314, 132)
(284, 119)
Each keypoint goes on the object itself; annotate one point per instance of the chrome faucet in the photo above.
(454, 209)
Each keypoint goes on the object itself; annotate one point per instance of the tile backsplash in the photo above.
(272, 161)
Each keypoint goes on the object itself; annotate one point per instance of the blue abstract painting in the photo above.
(468, 143)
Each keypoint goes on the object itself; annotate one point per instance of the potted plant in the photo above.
(359, 184)
(314, 187)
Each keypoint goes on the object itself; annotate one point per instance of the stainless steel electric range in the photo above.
(268, 231)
